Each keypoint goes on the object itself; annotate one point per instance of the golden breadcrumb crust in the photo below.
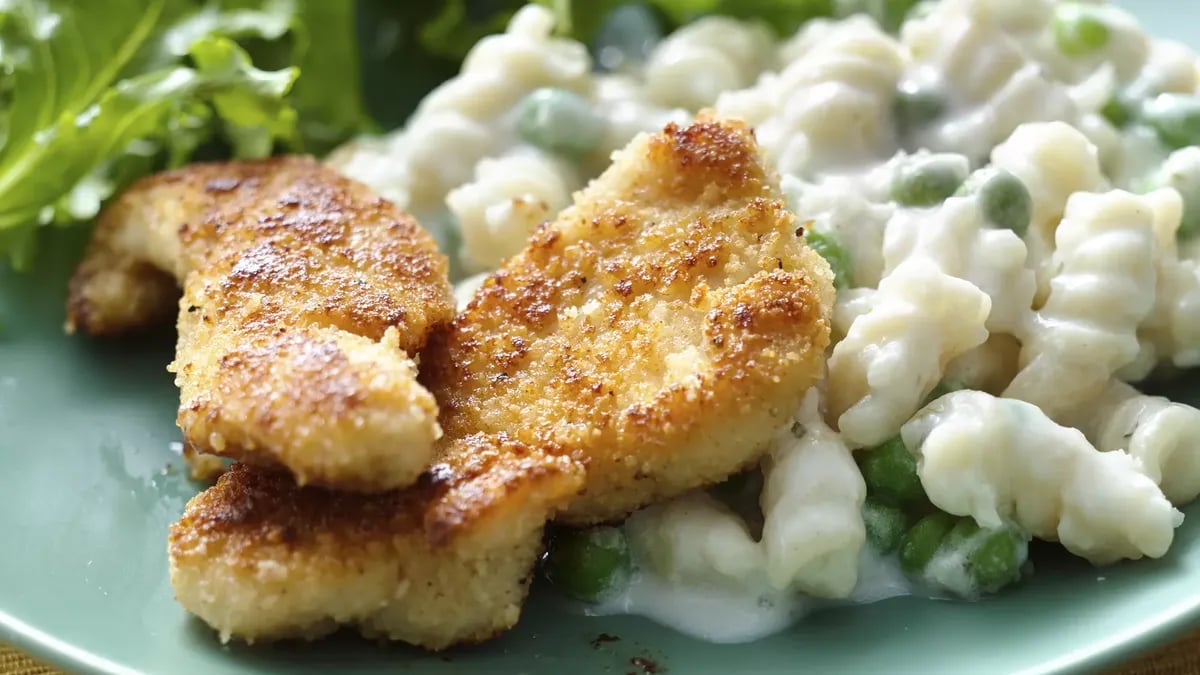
(648, 342)
(302, 294)
(259, 558)
(660, 331)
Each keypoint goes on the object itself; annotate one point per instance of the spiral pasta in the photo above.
(992, 85)
(1171, 333)
(508, 198)
(1124, 51)
(953, 237)
(812, 523)
(833, 103)
(990, 367)
(1162, 435)
(851, 304)
(812, 505)
(1054, 160)
(1183, 318)
(624, 104)
(694, 540)
(467, 117)
(1170, 68)
(1001, 460)
(1104, 288)
(711, 55)
(893, 356)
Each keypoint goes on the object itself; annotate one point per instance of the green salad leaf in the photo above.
(95, 94)
(328, 95)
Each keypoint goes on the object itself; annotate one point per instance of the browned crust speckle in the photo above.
(649, 341)
(303, 295)
(259, 558)
(659, 331)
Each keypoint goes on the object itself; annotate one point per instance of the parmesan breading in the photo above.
(648, 342)
(660, 331)
(303, 295)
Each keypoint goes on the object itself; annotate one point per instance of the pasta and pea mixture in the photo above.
(1009, 194)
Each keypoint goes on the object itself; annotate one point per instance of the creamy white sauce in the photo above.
(712, 613)
(726, 616)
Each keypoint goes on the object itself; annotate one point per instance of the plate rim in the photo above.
(49, 650)
(1106, 652)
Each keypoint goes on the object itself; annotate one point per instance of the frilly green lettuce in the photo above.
(96, 94)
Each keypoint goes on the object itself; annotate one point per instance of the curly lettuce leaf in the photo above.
(249, 101)
(72, 146)
(113, 90)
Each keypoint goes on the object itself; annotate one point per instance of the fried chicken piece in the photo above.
(661, 331)
(445, 561)
(302, 293)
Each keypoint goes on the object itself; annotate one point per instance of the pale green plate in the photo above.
(88, 485)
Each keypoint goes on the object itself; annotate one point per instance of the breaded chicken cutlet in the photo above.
(649, 341)
(660, 331)
(445, 561)
(303, 295)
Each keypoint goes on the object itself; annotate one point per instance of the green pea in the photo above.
(1079, 29)
(828, 246)
(1175, 118)
(923, 540)
(625, 39)
(890, 472)
(942, 388)
(1004, 199)
(1120, 110)
(559, 121)
(915, 106)
(1182, 172)
(928, 181)
(885, 525)
(961, 534)
(969, 559)
(997, 559)
(589, 564)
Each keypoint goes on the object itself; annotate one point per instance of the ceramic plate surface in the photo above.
(89, 484)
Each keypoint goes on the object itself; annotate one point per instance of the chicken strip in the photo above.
(659, 332)
(446, 561)
(303, 295)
